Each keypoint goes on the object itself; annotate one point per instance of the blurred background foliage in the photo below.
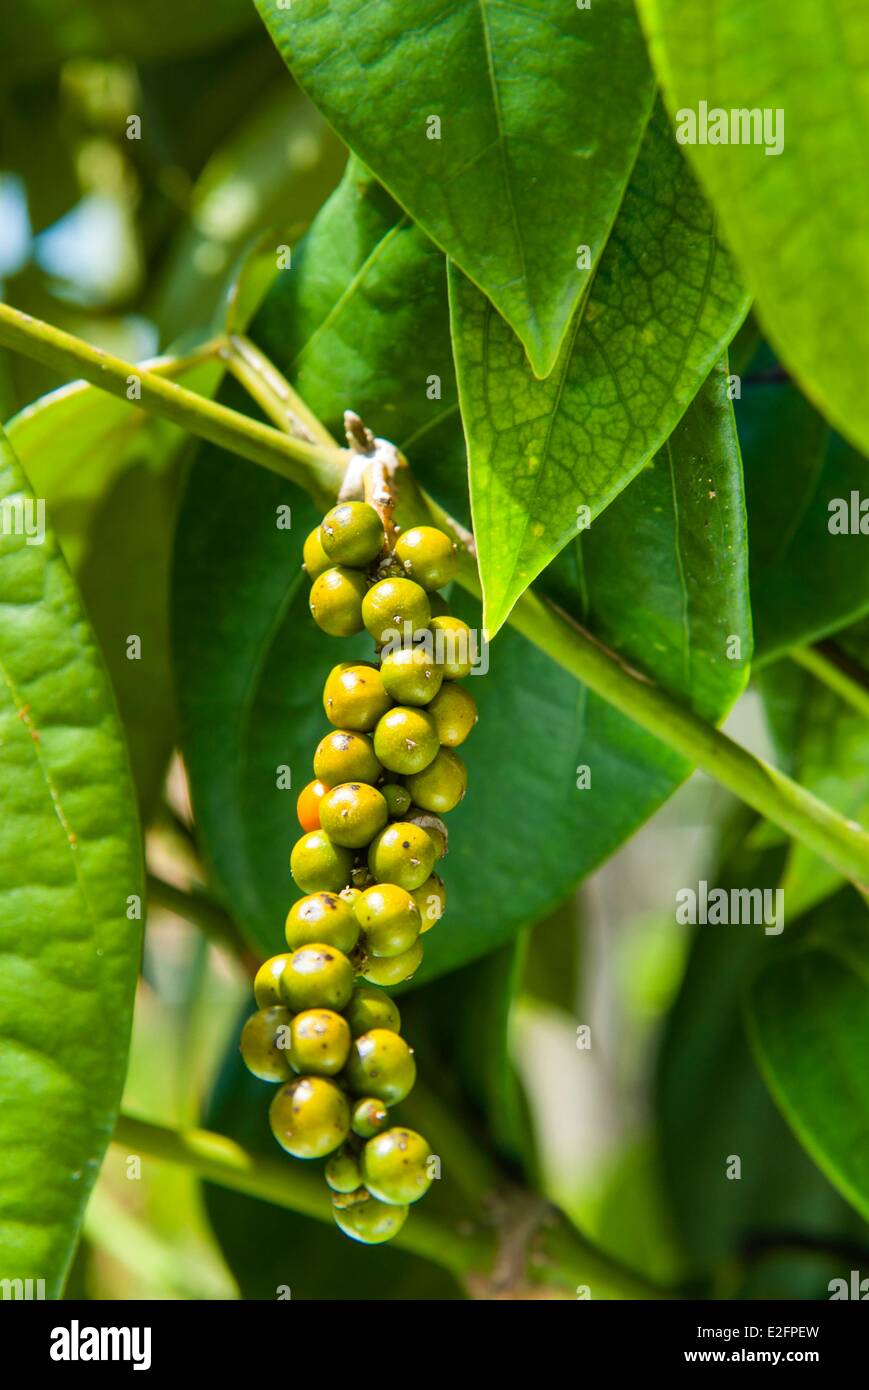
(127, 234)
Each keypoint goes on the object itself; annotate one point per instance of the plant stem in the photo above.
(272, 392)
(834, 675)
(202, 912)
(220, 1160)
(559, 1256)
(311, 466)
(840, 842)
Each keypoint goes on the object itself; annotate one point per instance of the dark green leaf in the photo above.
(70, 855)
(540, 111)
(806, 581)
(801, 66)
(824, 743)
(664, 305)
(809, 1019)
(712, 1106)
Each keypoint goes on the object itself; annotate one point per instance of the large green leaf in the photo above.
(809, 1018)
(70, 856)
(664, 305)
(251, 663)
(540, 110)
(802, 65)
(712, 1106)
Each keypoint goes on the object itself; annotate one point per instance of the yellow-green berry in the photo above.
(326, 917)
(352, 534)
(440, 786)
(371, 1008)
(353, 814)
(381, 1064)
(318, 864)
(319, 1042)
(264, 1044)
(395, 1166)
(310, 1117)
(390, 919)
(428, 556)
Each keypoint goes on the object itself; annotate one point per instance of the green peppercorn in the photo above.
(395, 608)
(314, 557)
(370, 1222)
(428, 556)
(392, 970)
(441, 785)
(397, 798)
(319, 1042)
(343, 756)
(381, 1064)
(352, 534)
(454, 711)
(317, 976)
(368, 1117)
(411, 675)
(267, 983)
(326, 917)
(264, 1043)
(354, 697)
(403, 854)
(390, 919)
(342, 1172)
(431, 899)
(395, 1166)
(353, 814)
(371, 1008)
(318, 865)
(310, 1117)
(406, 739)
(336, 601)
(453, 646)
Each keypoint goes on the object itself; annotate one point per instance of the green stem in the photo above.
(202, 912)
(311, 466)
(272, 392)
(559, 1257)
(835, 676)
(838, 841)
(220, 1160)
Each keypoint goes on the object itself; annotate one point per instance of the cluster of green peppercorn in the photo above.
(383, 777)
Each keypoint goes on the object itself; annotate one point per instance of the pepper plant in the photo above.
(540, 328)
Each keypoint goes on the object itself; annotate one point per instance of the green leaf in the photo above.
(70, 854)
(38, 35)
(461, 1029)
(663, 307)
(110, 474)
(541, 112)
(809, 1021)
(712, 1106)
(806, 582)
(251, 663)
(804, 64)
(824, 743)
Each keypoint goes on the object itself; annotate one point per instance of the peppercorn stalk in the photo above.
(320, 471)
